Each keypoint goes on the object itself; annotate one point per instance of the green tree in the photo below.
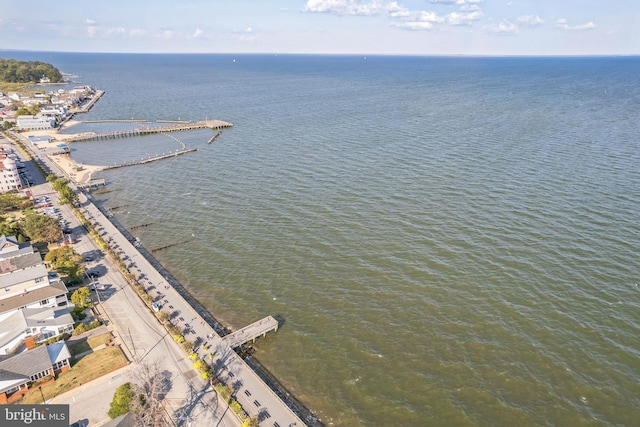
(61, 185)
(14, 71)
(10, 229)
(11, 202)
(67, 262)
(41, 228)
(121, 399)
(80, 296)
(31, 110)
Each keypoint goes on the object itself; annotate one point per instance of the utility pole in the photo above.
(132, 344)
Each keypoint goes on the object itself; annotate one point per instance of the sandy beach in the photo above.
(79, 173)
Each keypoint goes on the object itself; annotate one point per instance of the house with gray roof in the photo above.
(25, 281)
(39, 324)
(18, 372)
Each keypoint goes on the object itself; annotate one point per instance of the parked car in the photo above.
(92, 273)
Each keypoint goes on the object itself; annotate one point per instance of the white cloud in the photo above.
(530, 20)
(92, 30)
(470, 8)
(166, 34)
(458, 2)
(464, 18)
(137, 32)
(421, 20)
(90, 21)
(197, 33)
(247, 35)
(116, 31)
(563, 25)
(505, 27)
(402, 17)
(352, 7)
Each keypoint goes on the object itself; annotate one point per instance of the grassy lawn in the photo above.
(13, 87)
(79, 347)
(86, 369)
(89, 344)
(98, 340)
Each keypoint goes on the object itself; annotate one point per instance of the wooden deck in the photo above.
(251, 332)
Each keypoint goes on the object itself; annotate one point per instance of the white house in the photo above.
(25, 282)
(37, 323)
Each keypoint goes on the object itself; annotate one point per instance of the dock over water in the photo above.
(92, 136)
(251, 332)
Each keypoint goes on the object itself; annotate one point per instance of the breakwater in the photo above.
(86, 107)
(151, 159)
(211, 124)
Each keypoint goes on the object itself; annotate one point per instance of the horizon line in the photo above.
(448, 55)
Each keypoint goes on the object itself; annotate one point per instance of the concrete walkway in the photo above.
(255, 396)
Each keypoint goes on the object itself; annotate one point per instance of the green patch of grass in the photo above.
(98, 340)
(90, 343)
(13, 87)
(79, 347)
(88, 368)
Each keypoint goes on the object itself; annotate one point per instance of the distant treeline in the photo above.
(13, 71)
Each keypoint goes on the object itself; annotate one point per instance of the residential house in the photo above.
(21, 370)
(25, 281)
(33, 325)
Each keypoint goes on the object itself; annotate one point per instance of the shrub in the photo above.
(120, 403)
(187, 346)
(235, 407)
(80, 329)
(162, 316)
(223, 391)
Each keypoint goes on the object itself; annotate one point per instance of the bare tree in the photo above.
(150, 385)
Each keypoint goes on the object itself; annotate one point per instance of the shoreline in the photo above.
(79, 174)
(244, 352)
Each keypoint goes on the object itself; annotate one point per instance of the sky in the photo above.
(401, 27)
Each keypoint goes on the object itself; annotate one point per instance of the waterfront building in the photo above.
(9, 177)
(37, 122)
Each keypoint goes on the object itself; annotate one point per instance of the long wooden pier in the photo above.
(251, 332)
(92, 136)
(151, 159)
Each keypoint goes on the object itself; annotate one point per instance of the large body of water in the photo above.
(451, 241)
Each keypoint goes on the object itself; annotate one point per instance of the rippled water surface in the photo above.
(451, 241)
